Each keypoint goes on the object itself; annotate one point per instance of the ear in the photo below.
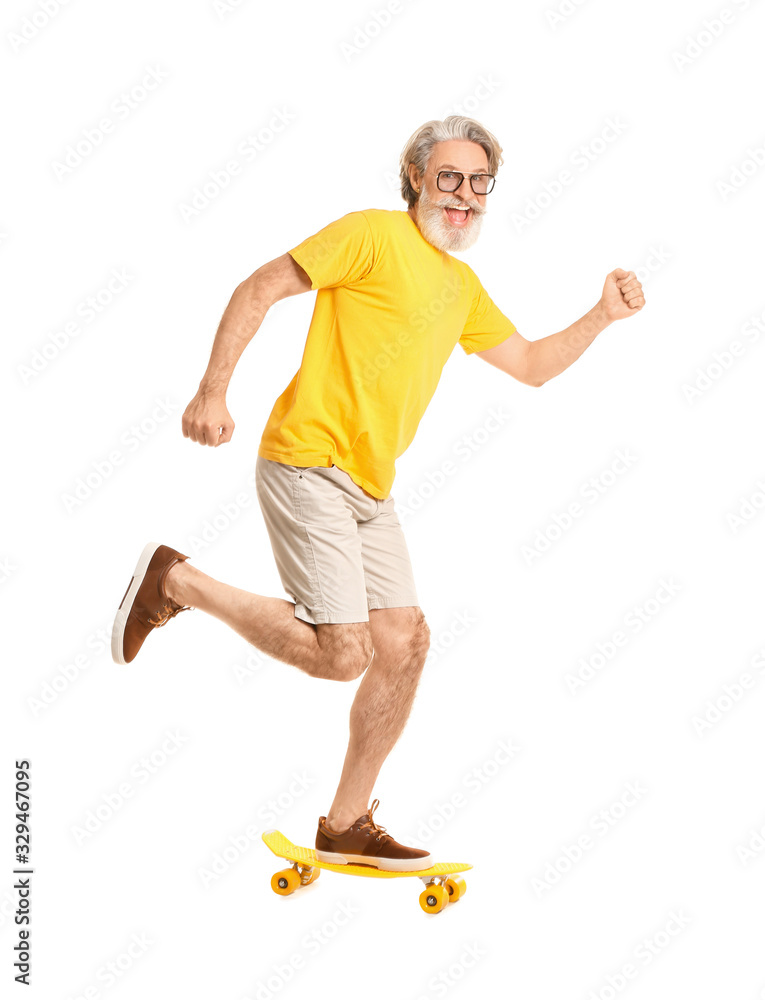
(414, 177)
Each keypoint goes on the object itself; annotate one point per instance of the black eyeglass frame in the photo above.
(456, 173)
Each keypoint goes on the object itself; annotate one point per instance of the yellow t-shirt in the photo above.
(389, 311)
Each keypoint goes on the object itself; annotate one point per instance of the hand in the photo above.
(622, 295)
(207, 420)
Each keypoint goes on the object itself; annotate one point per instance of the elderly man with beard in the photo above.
(392, 304)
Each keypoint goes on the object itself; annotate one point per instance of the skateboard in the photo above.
(442, 883)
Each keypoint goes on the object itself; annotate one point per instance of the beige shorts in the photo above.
(340, 552)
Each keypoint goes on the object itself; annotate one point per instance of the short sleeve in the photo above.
(339, 254)
(486, 326)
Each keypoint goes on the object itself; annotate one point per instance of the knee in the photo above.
(413, 641)
(352, 662)
(345, 650)
(420, 639)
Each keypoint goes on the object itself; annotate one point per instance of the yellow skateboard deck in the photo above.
(442, 882)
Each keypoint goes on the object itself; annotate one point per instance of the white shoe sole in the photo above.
(121, 618)
(382, 864)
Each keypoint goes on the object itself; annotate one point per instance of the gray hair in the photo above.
(420, 147)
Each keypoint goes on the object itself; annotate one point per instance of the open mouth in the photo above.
(458, 216)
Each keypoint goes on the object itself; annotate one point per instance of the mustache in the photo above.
(465, 203)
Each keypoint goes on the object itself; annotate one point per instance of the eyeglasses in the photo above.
(450, 180)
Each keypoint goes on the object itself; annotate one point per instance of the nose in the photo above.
(464, 190)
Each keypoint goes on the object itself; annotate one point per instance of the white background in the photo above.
(651, 199)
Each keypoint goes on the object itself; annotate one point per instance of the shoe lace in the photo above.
(374, 827)
(170, 610)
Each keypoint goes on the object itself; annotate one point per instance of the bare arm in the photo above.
(536, 362)
(206, 419)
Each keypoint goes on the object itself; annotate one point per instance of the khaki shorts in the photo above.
(340, 552)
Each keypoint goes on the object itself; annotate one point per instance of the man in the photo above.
(392, 304)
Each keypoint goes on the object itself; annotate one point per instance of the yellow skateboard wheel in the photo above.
(285, 882)
(434, 898)
(456, 888)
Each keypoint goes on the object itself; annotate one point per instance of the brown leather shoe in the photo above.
(366, 843)
(145, 605)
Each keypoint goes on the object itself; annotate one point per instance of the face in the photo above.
(450, 220)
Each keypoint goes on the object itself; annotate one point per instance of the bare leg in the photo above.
(395, 639)
(381, 707)
(336, 652)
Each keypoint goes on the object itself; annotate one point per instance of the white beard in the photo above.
(436, 228)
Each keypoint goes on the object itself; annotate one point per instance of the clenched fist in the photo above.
(622, 295)
(206, 419)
